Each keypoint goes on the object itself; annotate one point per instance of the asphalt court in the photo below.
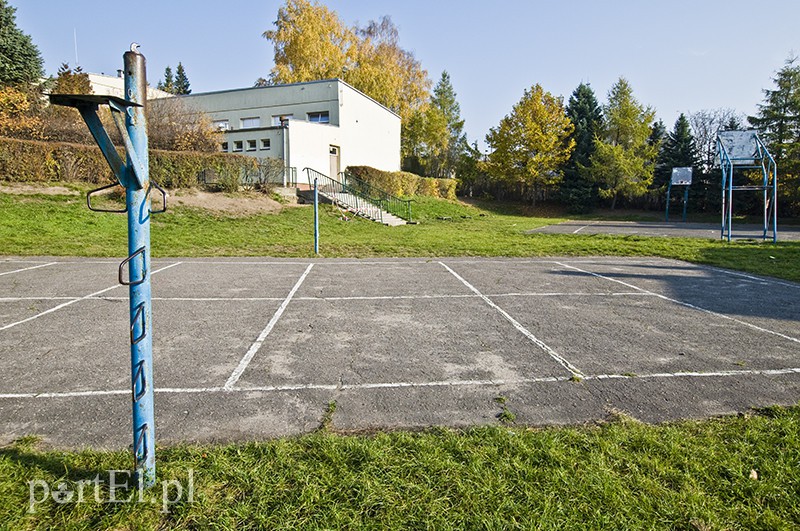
(257, 348)
(668, 229)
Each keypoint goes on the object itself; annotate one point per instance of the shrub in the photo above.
(403, 183)
(26, 160)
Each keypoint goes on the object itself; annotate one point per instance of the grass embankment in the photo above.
(730, 473)
(61, 225)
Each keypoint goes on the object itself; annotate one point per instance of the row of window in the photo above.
(253, 122)
(251, 145)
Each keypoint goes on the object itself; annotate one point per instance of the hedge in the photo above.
(26, 160)
(403, 183)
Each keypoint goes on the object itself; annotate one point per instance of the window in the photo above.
(265, 144)
(237, 146)
(224, 147)
(221, 125)
(319, 117)
(251, 145)
(282, 119)
(250, 123)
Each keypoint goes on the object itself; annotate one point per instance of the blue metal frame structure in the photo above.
(133, 175)
(745, 150)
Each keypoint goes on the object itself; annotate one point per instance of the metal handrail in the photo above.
(348, 196)
(388, 202)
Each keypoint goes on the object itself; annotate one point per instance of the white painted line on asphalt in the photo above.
(535, 340)
(387, 297)
(404, 385)
(237, 372)
(28, 268)
(574, 294)
(710, 374)
(48, 298)
(687, 304)
(73, 301)
(576, 231)
(751, 277)
(351, 298)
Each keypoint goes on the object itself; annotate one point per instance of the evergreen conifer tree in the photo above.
(181, 81)
(20, 61)
(577, 189)
(168, 85)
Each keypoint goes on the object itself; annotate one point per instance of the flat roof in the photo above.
(265, 87)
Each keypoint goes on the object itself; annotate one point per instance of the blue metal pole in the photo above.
(669, 191)
(139, 266)
(685, 202)
(316, 216)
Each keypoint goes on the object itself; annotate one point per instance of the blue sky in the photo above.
(680, 56)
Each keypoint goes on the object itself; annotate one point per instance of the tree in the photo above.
(20, 61)
(577, 188)
(174, 126)
(168, 85)
(181, 81)
(706, 123)
(386, 72)
(61, 123)
(778, 123)
(622, 163)
(778, 118)
(312, 43)
(677, 151)
(531, 144)
(69, 81)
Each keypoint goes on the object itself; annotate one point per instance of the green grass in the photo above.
(62, 226)
(619, 475)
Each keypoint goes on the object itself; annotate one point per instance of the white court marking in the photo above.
(73, 301)
(687, 304)
(535, 340)
(404, 385)
(237, 372)
(27, 268)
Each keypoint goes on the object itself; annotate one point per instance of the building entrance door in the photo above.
(334, 168)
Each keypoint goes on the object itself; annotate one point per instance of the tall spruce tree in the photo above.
(181, 81)
(677, 151)
(577, 189)
(778, 122)
(168, 84)
(20, 60)
(778, 118)
(445, 103)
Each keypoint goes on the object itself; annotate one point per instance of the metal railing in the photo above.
(358, 196)
(386, 201)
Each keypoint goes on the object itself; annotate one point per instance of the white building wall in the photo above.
(370, 132)
(309, 147)
(103, 85)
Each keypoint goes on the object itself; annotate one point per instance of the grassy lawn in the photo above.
(62, 225)
(729, 473)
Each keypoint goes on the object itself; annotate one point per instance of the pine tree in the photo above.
(181, 81)
(20, 60)
(778, 122)
(168, 85)
(451, 141)
(577, 188)
(778, 118)
(677, 151)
